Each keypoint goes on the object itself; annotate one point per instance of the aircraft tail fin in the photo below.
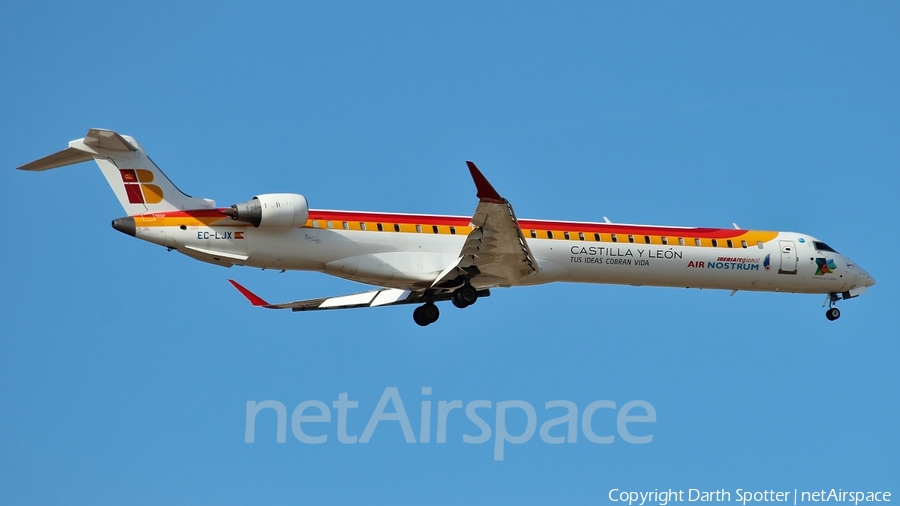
(138, 183)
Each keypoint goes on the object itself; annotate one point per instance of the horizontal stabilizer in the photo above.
(68, 156)
(107, 139)
(96, 138)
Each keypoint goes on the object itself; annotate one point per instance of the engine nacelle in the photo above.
(272, 210)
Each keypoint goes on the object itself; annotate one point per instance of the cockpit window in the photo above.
(821, 246)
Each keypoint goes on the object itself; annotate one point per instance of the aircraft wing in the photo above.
(495, 251)
(374, 298)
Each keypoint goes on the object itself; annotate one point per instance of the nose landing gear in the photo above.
(833, 313)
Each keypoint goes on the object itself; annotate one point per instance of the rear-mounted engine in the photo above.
(272, 210)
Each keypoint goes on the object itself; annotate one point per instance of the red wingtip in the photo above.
(252, 297)
(486, 192)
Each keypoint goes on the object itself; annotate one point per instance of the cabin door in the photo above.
(788, 258)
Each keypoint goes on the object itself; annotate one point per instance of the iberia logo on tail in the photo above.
(138, 189)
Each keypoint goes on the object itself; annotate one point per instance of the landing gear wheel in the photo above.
(833, 314)
(426, 314)
(419, 318)
(465, 296)
(431, 312)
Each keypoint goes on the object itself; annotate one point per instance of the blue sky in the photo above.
(125, 370)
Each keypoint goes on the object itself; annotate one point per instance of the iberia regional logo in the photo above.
(137, 186)
(766, 263)
(824, 266)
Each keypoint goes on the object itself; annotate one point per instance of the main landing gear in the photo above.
(428, 313)
(464, 296)
(833, 313)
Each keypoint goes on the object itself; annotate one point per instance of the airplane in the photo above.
(424, 259)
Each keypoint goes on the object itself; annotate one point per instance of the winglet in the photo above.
(486, 192)
(252, 297)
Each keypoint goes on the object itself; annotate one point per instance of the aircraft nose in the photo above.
(870, 281)
(864, 277)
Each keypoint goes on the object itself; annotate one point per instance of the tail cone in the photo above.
(124, 225)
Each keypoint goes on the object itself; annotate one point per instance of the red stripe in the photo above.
(413, 219)
(606, 228)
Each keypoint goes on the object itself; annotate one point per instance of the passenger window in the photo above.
(715, 243)
(581, 236)
(759, 244)
(597, 237)
(665, 240)
(743, 244)
(681, 241)
(380, 227)
(315, 223)
(630, 238)
(452, 229)
(566, 235)
(434, 228)
(362, 226)
(396, 227)
(533, 234)
(729, 243)
(697, 242)
(419, 229)
(329, 224)
(549, 235)
(614, 238)
(647, 239)
(345, 225)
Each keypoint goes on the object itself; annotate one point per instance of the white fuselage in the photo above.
(786, 263)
